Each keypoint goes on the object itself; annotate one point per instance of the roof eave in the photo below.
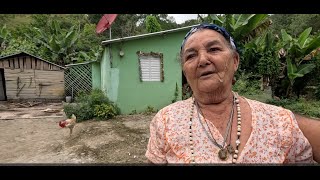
(144, 35)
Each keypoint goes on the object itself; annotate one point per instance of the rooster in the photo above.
(69, 123)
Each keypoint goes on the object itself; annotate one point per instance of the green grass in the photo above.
(18, 20)
(308, 108)
(262, 97)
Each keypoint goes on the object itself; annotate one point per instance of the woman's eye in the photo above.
(213, 49)
(190, 56)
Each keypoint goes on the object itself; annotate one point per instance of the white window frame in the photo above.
(151, 67)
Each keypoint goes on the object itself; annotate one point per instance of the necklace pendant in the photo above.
(230, 149)
(223, 154)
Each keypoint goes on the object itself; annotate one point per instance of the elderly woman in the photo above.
(216, 125)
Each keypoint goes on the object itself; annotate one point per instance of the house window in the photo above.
(151, 66)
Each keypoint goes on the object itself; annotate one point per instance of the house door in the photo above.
(2, 86)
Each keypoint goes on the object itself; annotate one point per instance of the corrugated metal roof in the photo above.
(81, 63)
(145, 35)
(21, 52)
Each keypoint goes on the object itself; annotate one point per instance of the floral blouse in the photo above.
(275, 137)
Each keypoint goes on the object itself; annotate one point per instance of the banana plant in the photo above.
(261, 58)
(243, 27)
(59, 43)
(296, 50)
(295, 72)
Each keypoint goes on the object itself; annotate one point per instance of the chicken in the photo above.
(69, 123)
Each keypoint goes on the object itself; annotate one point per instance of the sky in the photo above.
(181, 18)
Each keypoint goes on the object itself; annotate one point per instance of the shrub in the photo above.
(95, 97)
(317, 93)
(107, 111)
(149, 110)
(133, 112)
(176, 94)
(90, 105)
(247, 86)
(81, 110)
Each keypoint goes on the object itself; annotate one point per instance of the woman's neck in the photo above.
(217, 103)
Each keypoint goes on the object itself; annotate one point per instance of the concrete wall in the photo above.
(96, 75)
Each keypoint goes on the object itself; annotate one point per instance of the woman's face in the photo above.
(208, 61)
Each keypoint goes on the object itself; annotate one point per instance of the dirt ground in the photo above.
(29, 134)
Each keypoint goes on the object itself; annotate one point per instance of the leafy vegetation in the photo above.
(105, 111)
(149, 110)
(69, 38)
(309, 108)
(246, 86)
(176, 94)
(91, 105)
(152, 25)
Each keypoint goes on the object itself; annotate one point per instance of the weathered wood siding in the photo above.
(28, 77)
(27, 62)
(34, 84)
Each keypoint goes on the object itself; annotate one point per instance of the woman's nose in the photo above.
(203, 59)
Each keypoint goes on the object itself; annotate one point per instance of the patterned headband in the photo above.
(214, 27)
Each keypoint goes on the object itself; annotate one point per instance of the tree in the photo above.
(261, 58)
(190, 22)
(295, 24)
(152, 25)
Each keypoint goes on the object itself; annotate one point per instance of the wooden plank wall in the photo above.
(31, 84)
(27, 62)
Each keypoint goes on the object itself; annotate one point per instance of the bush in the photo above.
(81, 110)
(149, 110)
(247, 86)
(317, 93)
(133, 112)
(95, 97)
(88, 106)
(107, 111)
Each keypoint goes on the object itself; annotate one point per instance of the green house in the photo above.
(140, 71)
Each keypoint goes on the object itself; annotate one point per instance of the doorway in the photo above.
(3, 96)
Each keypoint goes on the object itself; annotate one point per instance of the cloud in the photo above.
(181, 18)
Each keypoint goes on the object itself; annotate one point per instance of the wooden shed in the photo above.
(25, 76)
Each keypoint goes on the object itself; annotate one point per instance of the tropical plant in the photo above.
(296, 51)
(16, 45)
(243, 27)
(58, 43)
(4, 37)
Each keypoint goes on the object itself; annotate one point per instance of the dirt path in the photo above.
(29, 135)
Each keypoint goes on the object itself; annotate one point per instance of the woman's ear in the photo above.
(236, 61)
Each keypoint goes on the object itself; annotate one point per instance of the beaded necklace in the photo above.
(223, 150)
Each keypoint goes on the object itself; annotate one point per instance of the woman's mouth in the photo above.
(206, 74)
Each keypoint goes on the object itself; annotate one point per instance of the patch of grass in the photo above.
(263, 96)
(308, 108)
